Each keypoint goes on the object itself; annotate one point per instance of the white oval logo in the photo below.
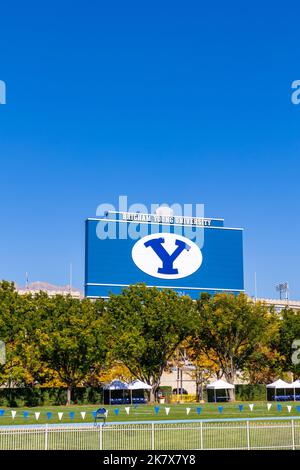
(167, 255)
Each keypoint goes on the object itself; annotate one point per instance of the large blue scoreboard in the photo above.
(187, 254)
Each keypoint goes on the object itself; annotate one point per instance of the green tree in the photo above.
(230, 329)
(289, 340)
(11, 309)
(72, 338)
(36, 311)
(147, 325)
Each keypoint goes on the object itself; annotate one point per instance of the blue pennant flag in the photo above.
(49, 415)
(199, 410)
(241, 407)
(156, 409)
(72, 414)
(94, 413)
(2, 412)
(117, 411)
(278, 407)
(298, 409)
(220, 409)
(26, 414)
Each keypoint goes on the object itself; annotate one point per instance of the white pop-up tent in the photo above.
(217, 386)
(138, 385)
(296, 388)
(116, 385)
(277, 386)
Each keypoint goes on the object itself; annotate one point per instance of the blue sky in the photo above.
(161, 101)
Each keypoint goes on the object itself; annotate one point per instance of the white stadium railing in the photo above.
(198, 435)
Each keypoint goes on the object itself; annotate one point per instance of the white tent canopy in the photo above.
(116, 385)
(217, 386)
(139, 385)
(220, 385)
(281, 384)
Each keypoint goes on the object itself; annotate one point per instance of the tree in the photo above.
(264, 365)
(147, 325)
(11, 310)
(36, 312)
(289, 340)
(203, 368)
(115, 371)
(72, 338)
(229, 330)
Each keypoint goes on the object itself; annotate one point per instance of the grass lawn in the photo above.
(176, 435)
(147, 413)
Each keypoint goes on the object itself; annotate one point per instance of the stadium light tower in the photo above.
(283, 289)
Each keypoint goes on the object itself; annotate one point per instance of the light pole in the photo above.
(283, 288)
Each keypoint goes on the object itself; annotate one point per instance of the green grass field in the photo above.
(261, 434)
(147, 413)
(170, 432)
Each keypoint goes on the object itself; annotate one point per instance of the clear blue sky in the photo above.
(164, 101)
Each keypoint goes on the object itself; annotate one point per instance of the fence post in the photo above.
(293, 434)
(101, 437)
(153, 438)
(248, 436)
(46, 436)
(201, 435)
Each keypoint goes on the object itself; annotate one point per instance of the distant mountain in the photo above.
(46, 286)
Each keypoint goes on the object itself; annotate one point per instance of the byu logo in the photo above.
(167, 259)
(167, 256)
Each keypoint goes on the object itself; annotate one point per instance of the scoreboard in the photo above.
(186, 254)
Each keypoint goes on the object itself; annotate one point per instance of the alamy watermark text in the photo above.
(2, 92)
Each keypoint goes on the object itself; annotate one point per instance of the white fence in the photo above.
(225, 434)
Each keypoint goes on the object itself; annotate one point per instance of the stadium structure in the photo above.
(187, 254)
